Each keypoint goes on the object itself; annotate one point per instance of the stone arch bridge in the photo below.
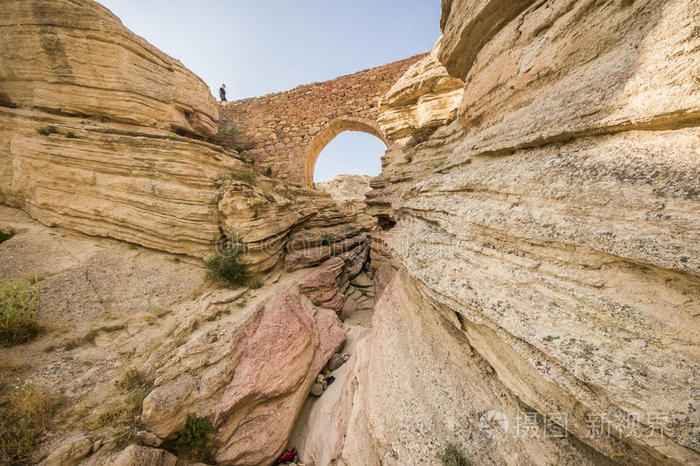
(286, 131)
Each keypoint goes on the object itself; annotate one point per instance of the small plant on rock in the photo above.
(227, 134)
(247, 176)
(19, 301)
(23, 418)
(326, 240)
(257, 284)
(194, 442)
(156, 312)
(452, 456)
(71, 135)
(226, 266)
(46, 130)
(5, 235)
(133, 386)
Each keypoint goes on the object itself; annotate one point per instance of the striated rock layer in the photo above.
(425, 97)
(547, 246)
(140, 185)
(74, 57)
(87, 144)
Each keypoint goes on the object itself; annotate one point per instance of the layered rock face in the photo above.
(88, 110)
(547, 243)
(136, 184)
(346, 188)
(425, 97)
(76, 58)
(88, 144)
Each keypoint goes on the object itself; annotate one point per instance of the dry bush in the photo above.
(24, 415)
(452, 456)
(19, 301)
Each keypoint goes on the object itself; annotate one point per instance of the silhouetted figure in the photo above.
(222, 92)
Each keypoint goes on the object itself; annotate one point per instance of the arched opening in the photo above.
(349, 153)
(333, 129)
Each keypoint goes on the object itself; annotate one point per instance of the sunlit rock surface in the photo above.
(554, 230)
(74, 57)
(425, 97)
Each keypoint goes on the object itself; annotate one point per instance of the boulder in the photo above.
(69, 452)
(148, 439)
(317, 389)
(335, 362)
(135, 455)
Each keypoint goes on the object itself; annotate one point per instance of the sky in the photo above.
(262, 46)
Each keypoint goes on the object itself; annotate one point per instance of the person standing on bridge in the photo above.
(222, 92)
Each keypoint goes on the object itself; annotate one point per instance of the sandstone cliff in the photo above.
(74, 57)
(89, 144)
(535, 247)
(550, 235)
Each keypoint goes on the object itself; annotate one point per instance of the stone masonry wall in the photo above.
(286, 131)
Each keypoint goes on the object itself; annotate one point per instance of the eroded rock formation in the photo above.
(69, 157)
(252, 377)
(76, 58)
(552, 234)
(535, 252)
(425, 97)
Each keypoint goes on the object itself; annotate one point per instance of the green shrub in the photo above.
(268, 171)
(409, 158)
(23, 418)
(71, 135)
(246, 176)
(193, 442)
(19, 301)
(257, 284)
(5, 235)
(226, 267)
(46, 130)
(451, 456)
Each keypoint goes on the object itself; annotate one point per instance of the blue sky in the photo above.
(262, 46)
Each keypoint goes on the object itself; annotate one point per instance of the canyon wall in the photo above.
(536, 248)
(541, 282)
(76, 58)
(87, 129)
(119, 147)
